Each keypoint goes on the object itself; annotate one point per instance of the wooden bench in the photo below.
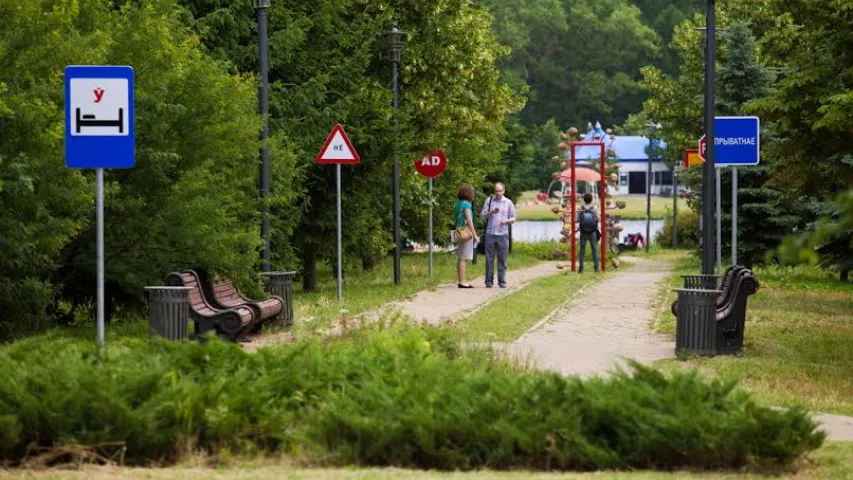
(223, 294)
(230, 323)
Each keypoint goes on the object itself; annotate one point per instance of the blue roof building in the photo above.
(633, 164)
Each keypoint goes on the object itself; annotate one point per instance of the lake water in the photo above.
(535, 232)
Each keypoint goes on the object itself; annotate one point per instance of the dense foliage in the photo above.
(191, 196)
(404, 396)
(797, 167)
(329, 64)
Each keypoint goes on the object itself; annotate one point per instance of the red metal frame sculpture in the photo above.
(602, 195)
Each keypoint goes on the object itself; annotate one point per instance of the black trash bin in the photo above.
(281, 284)
(696, 321)
(169, 311)
(707, 282)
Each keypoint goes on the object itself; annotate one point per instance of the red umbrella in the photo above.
(581, 174)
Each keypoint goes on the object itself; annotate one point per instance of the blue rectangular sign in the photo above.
(99, 130)
(736, 141)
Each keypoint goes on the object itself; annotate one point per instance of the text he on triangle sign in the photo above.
(337, 149)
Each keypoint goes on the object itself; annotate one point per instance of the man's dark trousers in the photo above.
(592, 238)
(496, 244)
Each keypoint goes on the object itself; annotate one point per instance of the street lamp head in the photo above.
(395, 42)
(261, 3)
(652, 126)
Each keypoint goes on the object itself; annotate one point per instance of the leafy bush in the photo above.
(688, 230)
(192, 197)
(402, 396)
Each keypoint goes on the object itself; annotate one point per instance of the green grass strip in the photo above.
(507, 318)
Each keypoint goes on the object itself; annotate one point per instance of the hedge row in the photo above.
(403, 396)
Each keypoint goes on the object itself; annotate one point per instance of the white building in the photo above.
(633, 165)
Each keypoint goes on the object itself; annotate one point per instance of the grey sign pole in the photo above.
(719, 226)
(99, 241)
(430, 227)
(734, 215)
(340, 238)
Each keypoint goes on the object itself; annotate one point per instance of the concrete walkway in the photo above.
(607, 322)
(445, 302)
(611, 321)
(448, 301)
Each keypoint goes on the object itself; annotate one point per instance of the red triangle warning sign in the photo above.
(337, 148)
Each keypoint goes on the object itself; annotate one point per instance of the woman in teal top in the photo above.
(463, 216)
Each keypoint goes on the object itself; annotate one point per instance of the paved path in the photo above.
(612, 320)
(838, 427)
(606, 322)
(445, 302)
(449, 301)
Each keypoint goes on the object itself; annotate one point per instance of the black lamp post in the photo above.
(262, 9)
(708, 173)
(652, 153)
(395, 37)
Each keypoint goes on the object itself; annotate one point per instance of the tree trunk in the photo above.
(368, 262)
(109, 305)
(309, 272)
(845, 276)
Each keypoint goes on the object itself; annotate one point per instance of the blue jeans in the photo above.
(591, 238)
(499, 244)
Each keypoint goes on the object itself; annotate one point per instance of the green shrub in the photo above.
(688, 230)
(402, 396)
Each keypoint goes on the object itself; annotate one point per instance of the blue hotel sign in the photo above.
(99, 123)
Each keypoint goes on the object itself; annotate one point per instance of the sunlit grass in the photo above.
(798, 346)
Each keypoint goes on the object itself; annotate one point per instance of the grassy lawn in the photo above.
(833, 460)
(635, 208)
(367, 290)
(799, 333)
(507, 318)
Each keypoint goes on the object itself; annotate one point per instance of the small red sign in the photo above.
(337, 148)
(703, 144)
(432, 165)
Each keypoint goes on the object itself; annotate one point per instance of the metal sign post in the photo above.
(719, 214)
(431, 166)
(734, 215)
(429, 239)
(99, 134)
(337, 151)
(737, 141)
(340, 236)
(99, 248)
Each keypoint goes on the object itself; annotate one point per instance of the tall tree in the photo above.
(810, 106)
(580, 60)
(663, 16)
(764, 217)
(329, 64)
(191, 197)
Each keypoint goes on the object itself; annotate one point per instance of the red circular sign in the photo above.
(431, 165)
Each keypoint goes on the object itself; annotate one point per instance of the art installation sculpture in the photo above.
(587, 177)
